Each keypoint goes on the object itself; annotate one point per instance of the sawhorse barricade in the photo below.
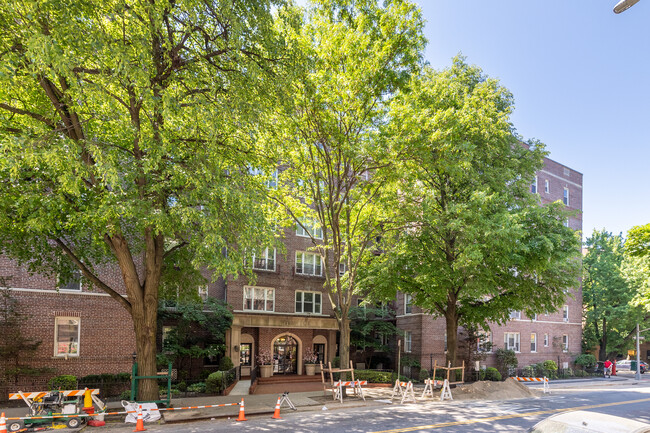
(544, 381)
(405, 390)
(429, 385)
(445, 394)
(356, 386)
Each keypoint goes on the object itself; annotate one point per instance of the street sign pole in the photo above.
(638, 358)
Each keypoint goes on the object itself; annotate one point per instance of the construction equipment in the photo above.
(48, 404)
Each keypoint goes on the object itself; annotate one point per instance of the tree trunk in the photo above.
(144, 323)
(344, 344)
(451, 319)
(602, 353)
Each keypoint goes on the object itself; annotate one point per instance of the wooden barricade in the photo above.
(429, 385)
(404, 390)
(336, 387)
(449, 369)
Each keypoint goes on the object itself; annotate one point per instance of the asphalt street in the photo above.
(626, 398)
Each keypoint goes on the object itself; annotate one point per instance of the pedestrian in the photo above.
(607, 368)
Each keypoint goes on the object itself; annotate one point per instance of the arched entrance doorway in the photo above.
(285, 355)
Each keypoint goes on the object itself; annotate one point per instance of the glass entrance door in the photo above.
(285, 360)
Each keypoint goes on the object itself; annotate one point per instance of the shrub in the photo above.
(492, 374)
(65, 381)
(481, 374)
(373, 376)
(335, 362)
(181, 386)
(506, 361)
(580, 373)
(226, 364)
(424, 374)
(565, 373)
(213, 384)
(586, 361)
(125, 395)
(197, 387)
(528, 371)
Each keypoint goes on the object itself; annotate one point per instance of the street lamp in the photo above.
(624, 5)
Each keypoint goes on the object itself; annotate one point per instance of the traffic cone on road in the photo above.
(3, 423)
(139, 425)
(276, 414)
(242, 415)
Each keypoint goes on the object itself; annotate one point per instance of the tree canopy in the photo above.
(125, 131)
(475, 244)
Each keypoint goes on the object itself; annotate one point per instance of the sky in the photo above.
(580, 78)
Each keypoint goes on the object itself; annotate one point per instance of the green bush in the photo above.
(481, 374)
(492, 374)
(214, 382)
(126, 395)
(65, 381)
(566, 373)
(506, 361)
(181, 386)
(373, 376)
(424, 374)
(226, 364)
(528, 371)
(580, 373)
(586, 360)
(197, 387)
(546, 368)
(336, 361)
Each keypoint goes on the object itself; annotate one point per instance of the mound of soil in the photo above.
(484, 390)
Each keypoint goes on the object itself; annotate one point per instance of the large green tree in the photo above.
(476, 243)
(334, 164)
(608, 311)
(124, 130)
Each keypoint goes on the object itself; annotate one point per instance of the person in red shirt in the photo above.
(608, 368)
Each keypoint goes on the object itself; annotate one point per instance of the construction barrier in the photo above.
(544, 380)
(355, 385)
(404, 390)
(445, 394)
(429, 385)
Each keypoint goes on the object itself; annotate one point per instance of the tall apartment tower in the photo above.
(556, 335)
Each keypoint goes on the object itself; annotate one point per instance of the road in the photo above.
(627, 398)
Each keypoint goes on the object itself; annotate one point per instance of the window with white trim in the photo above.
(515, 315)
(565, 199)
(534, 318)
(408, 338)
(408, 303)
(66, 336)
(565, 313)
(342, 269)
(484, 342)
(203, 292)
(533, 342)
(533, 186)
(546, 186)
(565, 343)
(545, 340)
(308, 226)
(309, 302)
(308, 264)
(73, 284)
(265, 261)
(259, 298)
(511, 341)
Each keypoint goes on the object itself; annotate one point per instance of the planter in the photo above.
(266, 370)
(310, 369)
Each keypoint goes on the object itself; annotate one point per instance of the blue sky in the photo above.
(580, 76)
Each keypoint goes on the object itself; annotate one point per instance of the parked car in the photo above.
(580, 421)
(626, 365)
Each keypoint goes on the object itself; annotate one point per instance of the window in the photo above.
(546, 186)
(342, 269)
(566, 222)
(511, 340)
(533, 342)
(545, 340)
(534, 318)
(66, 336)
(166, 334)
(408, 304)
(515, 315)
(533, 186)
(259, 299)
(203, 292)
(319, 350)
(408, 337)
(565, 343)
(308, 263)
(245, 354)
(308, 227)
(73, 284)
(565, 313)
(265, 261)
(484, 343)
(565, 199)
(309, 302)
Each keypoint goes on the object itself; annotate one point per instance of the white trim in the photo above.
(302, 301)
(57, 292)
(56, 337)
(315, 254)
(561, 178)
(253, 299)
(411, 315)
(281, 313)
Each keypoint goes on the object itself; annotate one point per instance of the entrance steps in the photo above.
(288, 378)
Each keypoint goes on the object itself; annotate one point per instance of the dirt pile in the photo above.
(483, 390)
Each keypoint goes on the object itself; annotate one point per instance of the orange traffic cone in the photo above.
(276, 414)
(139, 425)
(3, 423)
(242, 415)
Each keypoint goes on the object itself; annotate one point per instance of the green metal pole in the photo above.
(134, 381)
(169, 384)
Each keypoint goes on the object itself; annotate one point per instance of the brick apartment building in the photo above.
(556, 335)
(285, 311)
